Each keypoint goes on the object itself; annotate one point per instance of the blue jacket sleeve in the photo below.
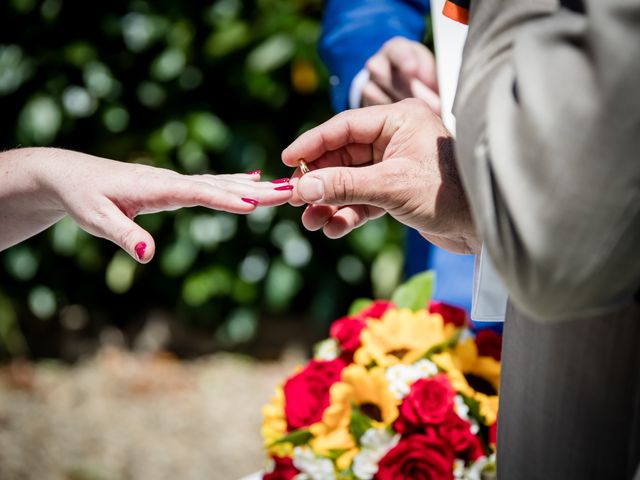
(353, 30)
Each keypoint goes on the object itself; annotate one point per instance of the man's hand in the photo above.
(394, 158)
(401, 69)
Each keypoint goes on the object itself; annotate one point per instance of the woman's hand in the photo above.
(40, 185)
(393, 158)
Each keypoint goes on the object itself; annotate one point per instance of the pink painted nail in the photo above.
(251, 201)
(254, 172)
(281, 180)
(284, 187)
(140, 249)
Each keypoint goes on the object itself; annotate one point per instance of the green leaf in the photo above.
(358, 305)
(347, 475)
(474, 408)
(297, 437)
(359, 423)
(442, 346)
(336, 453)
(416, 292)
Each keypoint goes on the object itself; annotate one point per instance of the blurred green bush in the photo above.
(193, 86)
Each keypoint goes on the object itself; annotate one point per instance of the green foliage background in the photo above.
(194, 86)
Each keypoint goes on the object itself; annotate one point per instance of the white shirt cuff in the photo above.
(357, 85)
(489, 302)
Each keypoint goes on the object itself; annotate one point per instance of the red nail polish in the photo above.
(251, 201)
(140, 249)
(281, 180)
(254, 172)
(284, 187)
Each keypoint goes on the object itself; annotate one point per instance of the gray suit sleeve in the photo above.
(548, 121)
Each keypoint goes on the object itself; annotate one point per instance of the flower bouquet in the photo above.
(402, 389)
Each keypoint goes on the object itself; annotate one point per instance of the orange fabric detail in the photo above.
(456, 12)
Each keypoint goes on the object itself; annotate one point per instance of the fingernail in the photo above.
(310, 189)
(281, 180)
(251, 201)
(284, 187)
(254, 172)
(140, 249)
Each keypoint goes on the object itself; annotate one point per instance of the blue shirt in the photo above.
(353, 31)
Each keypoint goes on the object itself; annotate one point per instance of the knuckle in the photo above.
(343, 186)
(96, 222)
(374, 65)
(393, 42)
(413, 105)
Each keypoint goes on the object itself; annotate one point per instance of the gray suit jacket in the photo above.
(548, 146)
(548, 127)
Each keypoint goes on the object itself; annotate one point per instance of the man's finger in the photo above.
(426, 71)
(402, 56)
(346, 186)
(315, 217)
(349, 218)
(431, 98)
(372, 94)
(362, 125)
(393, 83)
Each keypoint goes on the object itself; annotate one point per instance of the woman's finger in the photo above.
(265, 193)
(108, 221)
(208, 191)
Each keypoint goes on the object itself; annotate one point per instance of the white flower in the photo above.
(375, 443)
(458, 469)
(327, 350)
(379, 440)
(401, 377)
(312, 467)
(474, 472)
(365, 464)
(461, 408)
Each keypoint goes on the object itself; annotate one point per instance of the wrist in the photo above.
(33, 169)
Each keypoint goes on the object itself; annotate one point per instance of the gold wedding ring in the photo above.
(303, 166)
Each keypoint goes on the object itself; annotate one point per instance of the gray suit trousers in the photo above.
(570, 398)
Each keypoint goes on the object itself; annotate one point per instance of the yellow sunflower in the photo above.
(401, 336)
(274, 425)
(366, 389)
(474, 376)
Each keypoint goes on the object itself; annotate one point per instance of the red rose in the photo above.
(306, 394)
(489, 344)
(417, 457)
(429, 403)
(283, 470)
(475, 450)
(375, 310)
(450, 314)
(456, 432)
(346, 330)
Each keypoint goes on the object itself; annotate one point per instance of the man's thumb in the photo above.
(342, 186)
